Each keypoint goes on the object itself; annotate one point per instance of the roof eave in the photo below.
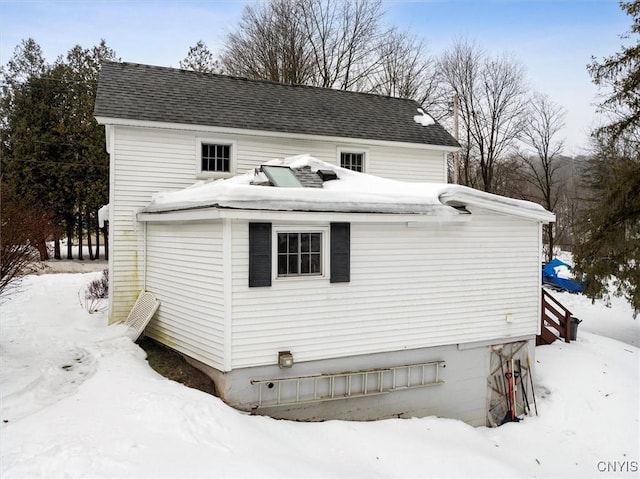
(505, 206)
(213, 213)
(107, 120)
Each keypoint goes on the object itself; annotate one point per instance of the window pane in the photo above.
(305, 264)
(293, 242)
(282, 264)
(315, 242)
(282, 242)
(315, 264)
(304, 242)
(293, 264)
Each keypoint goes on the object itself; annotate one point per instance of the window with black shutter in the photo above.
(340, 262)
(259, 254)
(298, 252)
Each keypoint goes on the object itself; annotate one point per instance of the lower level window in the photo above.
(299, 254)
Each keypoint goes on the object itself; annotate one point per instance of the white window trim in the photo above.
(215, 174)
(324, 252)
(354, 149)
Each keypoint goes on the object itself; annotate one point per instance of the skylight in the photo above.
(281, 176)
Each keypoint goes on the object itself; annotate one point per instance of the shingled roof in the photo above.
(130, 91)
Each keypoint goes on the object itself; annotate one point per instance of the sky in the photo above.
(553, 39)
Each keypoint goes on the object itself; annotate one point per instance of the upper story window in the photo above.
(353, 160)
(216, 158)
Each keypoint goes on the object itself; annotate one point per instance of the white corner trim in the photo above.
(227, 285)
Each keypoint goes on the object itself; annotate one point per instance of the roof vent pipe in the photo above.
(327, 175)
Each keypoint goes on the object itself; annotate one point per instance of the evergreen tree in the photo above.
(85, 137)
(53, 150)
(33, 141)
(610, 225)
(200, 59)
(621, 74)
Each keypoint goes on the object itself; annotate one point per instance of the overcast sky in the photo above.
(554, 39)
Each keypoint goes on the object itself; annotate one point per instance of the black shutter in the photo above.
(259, 254)
(340, 252)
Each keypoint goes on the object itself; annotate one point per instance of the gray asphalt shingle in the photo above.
(143, 92)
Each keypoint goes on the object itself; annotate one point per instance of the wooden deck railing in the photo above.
(556, 320)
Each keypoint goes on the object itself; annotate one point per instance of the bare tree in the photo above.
(491, 93)
(343, 36)
(200, 59)
(271, 43)
(543, 160)
(405, 70)
(23, 226)
(326, 43)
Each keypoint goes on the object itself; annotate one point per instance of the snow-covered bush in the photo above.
(93, 296)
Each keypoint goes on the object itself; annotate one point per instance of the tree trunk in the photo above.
(69, 222)
(105, 231)
(89, 241)
(41, 246)
(80, 255)
(550, 240)
(56, 247)
(97, 223)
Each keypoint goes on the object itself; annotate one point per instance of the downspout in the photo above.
(540, 253)
(144, 257)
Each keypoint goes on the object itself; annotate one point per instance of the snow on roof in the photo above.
(352, 192)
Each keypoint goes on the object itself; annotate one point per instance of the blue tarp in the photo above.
(550, 276)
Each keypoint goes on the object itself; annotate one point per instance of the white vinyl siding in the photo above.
(185, 271)
(145, 161)
(410, 288)
(148, 160)
(427, 166)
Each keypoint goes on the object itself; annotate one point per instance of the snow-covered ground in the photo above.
(78, 399)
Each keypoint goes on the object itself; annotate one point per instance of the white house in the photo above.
(305, 289)
(166, 128)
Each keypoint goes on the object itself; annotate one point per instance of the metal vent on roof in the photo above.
(281, 176)
(462, 209)
(327, 175)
